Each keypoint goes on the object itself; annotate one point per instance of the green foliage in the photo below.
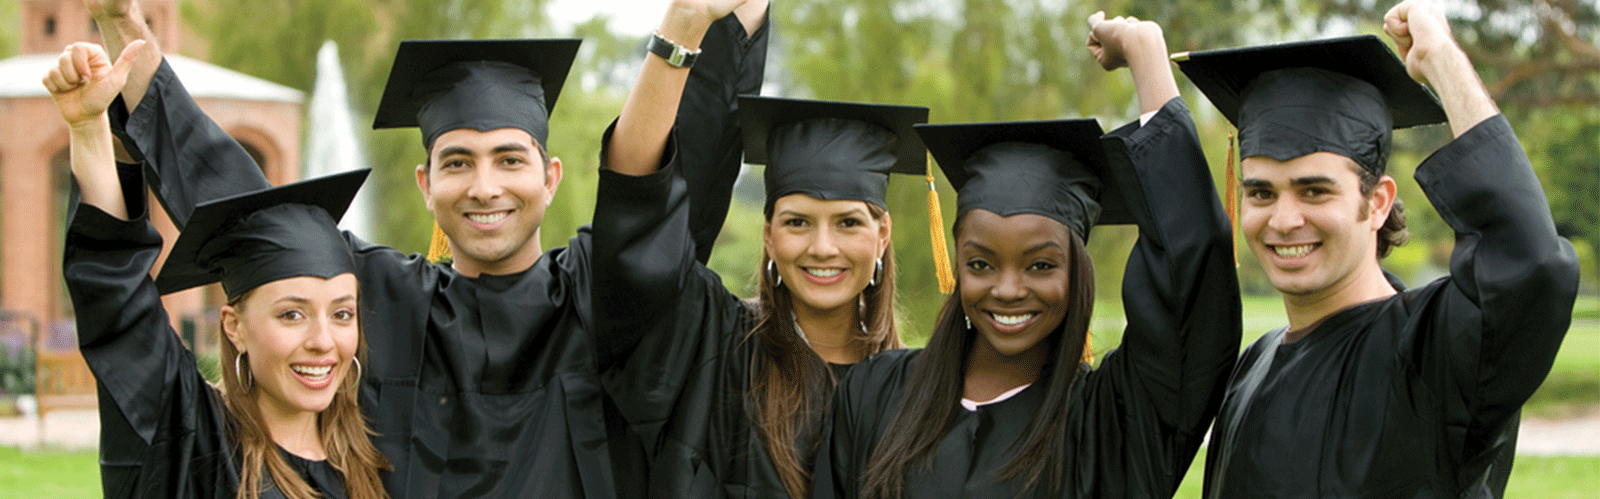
(8, 36)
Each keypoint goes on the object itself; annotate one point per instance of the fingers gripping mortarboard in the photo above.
(258, 237)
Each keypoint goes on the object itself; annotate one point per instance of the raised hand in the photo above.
(85, 80)
(1112, 41)
(1419, 30)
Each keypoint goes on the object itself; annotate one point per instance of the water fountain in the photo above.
(332, 145)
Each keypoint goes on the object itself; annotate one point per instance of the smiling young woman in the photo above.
(1000, 403)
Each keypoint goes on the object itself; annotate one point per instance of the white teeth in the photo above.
(312, 372)
(1293, 251)
(1011, 320)
(487, 219)
(824, 272)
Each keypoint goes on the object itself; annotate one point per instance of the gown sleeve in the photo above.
(1507, 303)
(731, 65)
(162, 434)
(1154, 396)
(189, 158)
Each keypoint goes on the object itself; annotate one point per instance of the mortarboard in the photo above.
(831, 150)
(1340, 95)
(254, 238)
(1054, 168)
(444, 85)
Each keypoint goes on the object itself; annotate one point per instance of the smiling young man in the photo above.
(1375, 390)
(483, 379)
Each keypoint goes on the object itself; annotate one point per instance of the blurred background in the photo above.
(989, 60)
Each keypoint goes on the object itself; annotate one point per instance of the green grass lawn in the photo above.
(49, 474)
(1543, 477)
(54, 474)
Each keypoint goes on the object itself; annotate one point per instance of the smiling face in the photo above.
(299, 336)
(1308, 223)
(488, 192)
(1014, 281)
(826, 251)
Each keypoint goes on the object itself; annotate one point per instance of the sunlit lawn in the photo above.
(1543, 477)
(51, 475)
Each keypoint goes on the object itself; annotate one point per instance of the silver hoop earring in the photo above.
(876, 272)
(240, 374)
(358, 368)
(772, 274)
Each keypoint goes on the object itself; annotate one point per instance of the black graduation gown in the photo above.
(1416, 395)
(1138, 419)
(163, 430)
(477, 386)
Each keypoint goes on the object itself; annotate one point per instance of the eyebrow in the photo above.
(1037, 248)
(1255, 183)
(509, 147)
(500, 149)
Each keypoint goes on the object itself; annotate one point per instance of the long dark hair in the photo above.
(930, 404)
(790, 384)
(341, 427)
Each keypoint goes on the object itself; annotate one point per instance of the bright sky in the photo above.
(627, 16)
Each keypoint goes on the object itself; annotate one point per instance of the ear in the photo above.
(1383, 195)
(422, 185)
(552, 180)
(231, 329)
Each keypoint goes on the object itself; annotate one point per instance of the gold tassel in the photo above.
(439, 247)
(1088, 349)
(941, 255)
(1230, 203)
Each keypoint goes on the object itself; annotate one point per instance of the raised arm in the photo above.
(1180, 290)
(1507, 304)
(147, 379)
(643, 253)
(83, 84)
(189, 159)
(732, 61)
(121, 23)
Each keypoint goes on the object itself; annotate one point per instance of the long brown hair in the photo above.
(790, 384)
(341, 427)
(929, 406)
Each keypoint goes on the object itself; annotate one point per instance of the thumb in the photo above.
(125, 60)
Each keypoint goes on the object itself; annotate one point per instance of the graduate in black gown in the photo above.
(729, 394)
(1373, 389)
(284, 421)
(483, 381)
(999, 404)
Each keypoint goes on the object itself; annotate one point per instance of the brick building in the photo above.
(34, 179)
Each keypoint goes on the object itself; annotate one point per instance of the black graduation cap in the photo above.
(444, 85)
(831, 150)
(1341, 95)
(1055, 168)
(254, 238)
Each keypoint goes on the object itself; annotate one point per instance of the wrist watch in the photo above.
(676, 55)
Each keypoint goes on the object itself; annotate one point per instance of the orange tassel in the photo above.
(941, 255)
(439, 246)
(1230, 203)
(1088, 349)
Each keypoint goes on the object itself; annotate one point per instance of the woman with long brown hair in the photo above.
(999, 404)
(727, 394)
(284, 421)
